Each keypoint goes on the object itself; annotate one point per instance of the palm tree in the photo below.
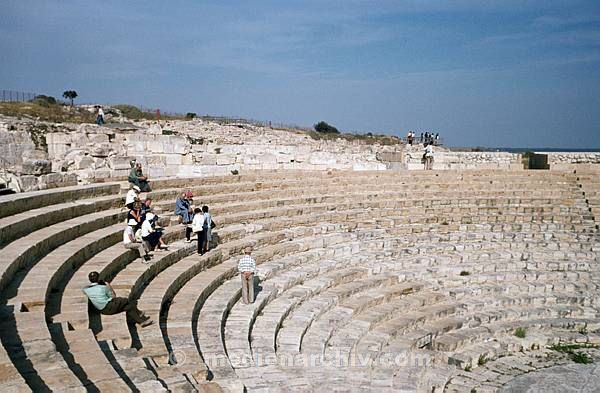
(70, 95)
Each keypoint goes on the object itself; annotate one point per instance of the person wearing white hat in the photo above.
(130, 242)
(132, 196)
(150, 234)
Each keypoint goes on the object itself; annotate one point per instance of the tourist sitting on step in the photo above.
(146, 206)
(132, 196)
(247, 269)
(132, 243)
(184, 208)
(104, 299)
(136, 214)
(152, 234)
(137, 178)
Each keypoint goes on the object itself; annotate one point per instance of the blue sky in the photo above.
(486, 73)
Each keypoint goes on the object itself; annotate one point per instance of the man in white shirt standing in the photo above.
(247, 269)
(130, 242)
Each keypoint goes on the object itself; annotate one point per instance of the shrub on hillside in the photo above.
(326, 128)
(190, 115)
(44, 101)
(134, 113)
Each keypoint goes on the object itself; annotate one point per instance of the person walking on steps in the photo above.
(247, 270)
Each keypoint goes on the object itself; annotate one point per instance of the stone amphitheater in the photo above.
(407, 281)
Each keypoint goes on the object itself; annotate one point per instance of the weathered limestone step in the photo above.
(21, 224)
(10, 378)
(277, 298)
(38, 282)
(26, 251)
(17, 203)
(338, 311)
(130, 278)
(162, 290)
(492, 203)
(519, 181)
(495, 373)
(31, 294)
(344, 343)
(76, 311)
(34, 354)
(180, 330)
(373, 342)
(81, 345)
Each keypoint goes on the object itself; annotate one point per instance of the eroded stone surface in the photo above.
(565, 379)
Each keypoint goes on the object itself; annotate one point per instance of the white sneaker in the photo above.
(188, 240)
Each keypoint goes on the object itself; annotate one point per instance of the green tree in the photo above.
(70, 95)
(325, 128)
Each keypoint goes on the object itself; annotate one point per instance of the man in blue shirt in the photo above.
(104, 299)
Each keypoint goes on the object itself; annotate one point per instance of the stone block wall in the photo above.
(571, 160)
(445, 159)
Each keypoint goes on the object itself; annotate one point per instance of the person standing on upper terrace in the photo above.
(137, 178)
(247, 269)
(428, 156)
(100, 116)
(104, 299)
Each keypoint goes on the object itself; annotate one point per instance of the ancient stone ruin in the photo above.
(478, 276)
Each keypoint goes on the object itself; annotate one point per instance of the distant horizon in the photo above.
(532, 149)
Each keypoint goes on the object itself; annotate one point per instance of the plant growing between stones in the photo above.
(468, 368)
(465, 273)
(482, 360)
(521, 332)
(570, 350)
(581, 358)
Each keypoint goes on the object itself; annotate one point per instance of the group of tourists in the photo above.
(428, 138)
(143, 231)
(197, 221)
(144, 234)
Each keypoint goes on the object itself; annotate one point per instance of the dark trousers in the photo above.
(201, 241)
(142, 184)
(188, 233)
(120, 304)
(153, 239)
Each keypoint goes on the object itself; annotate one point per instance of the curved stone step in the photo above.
(22, 202)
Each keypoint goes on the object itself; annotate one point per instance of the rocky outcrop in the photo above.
(204, 148)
